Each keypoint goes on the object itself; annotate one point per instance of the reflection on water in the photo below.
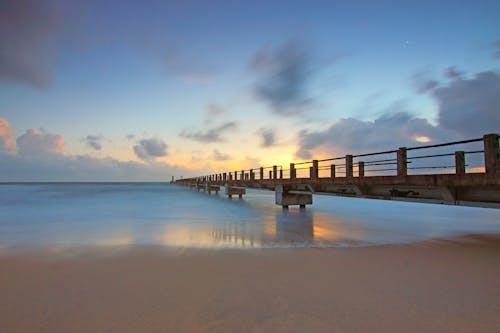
(174, 216)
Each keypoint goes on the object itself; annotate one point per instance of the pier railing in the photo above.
(477, 155)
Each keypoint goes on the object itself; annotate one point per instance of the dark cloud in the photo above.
(148, 149)
(497, 47)
(211, 135)
(284, 74)
(452, 73)
(94, 141)
(35, 143)
(422, 81)
(218, 156)
(7, 142)
(28, 29)
(268, 137)
(469, 107)
(350, 135)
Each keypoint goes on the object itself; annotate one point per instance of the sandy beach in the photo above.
(434, 286)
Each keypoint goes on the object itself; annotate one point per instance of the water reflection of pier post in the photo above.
(294, 227)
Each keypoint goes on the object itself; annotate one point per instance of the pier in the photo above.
(463, 172)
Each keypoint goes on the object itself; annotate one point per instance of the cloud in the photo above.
(35, 143)
(7, 142)
(452, 73)
(130, 136)
(218, 156)
(148, 149)
(28, 29)
(497, 47)
(93, 141)
(351, 135)
(59, 167)
(469, 107)
(268, 137)
(214, 110)
(41, 158)
(284, 74)
(212, 134)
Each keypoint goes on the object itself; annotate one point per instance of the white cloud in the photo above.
(34, 143)
(7, 142)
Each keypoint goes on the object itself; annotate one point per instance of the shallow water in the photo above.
(122, 214)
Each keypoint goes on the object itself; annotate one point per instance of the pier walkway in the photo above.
(463, 172)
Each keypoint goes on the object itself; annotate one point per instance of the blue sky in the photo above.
(155, 69)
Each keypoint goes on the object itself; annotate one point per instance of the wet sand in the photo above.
(435, 286)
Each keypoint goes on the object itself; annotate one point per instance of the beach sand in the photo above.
(435, 286)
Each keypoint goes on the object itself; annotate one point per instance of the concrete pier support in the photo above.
(460, 163)
(491, 154)
(235, 190)
(286, 196)
(348, 166)
(293, 172)
(402, 162)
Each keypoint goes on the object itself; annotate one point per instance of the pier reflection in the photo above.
(294, 228)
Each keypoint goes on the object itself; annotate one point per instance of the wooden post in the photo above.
(460, 163)
(361, 169)
(242, 175)
(293, 175)
(332, 171)
(224, 176)
(261, 173)
(252, 175)
(275, 172)
(311, 172)
(281, 173)
(348, 166)
(401, 160)
(236, 175)
(315, 170)
(491, 164)
(230, 176)
(270, 174)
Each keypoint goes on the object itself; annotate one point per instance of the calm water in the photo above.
(123, 214)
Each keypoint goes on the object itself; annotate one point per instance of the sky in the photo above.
(146, 90)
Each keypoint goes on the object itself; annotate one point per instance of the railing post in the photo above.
(293, 175)
(281, 173)
(224, 176)
(311, 172)
(361, 169)
(401, 160)
(332, 171)
(270, 174)
(261, 173)
(348, 166)
(315, 169)
(275, 172)
(252, 175)
(460, 163)
(242, 175)
(230, 176)
(491, 164)
(236, 175)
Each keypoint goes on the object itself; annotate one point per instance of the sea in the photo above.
(112, 214)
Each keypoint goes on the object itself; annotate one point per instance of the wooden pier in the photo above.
(401, 174)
